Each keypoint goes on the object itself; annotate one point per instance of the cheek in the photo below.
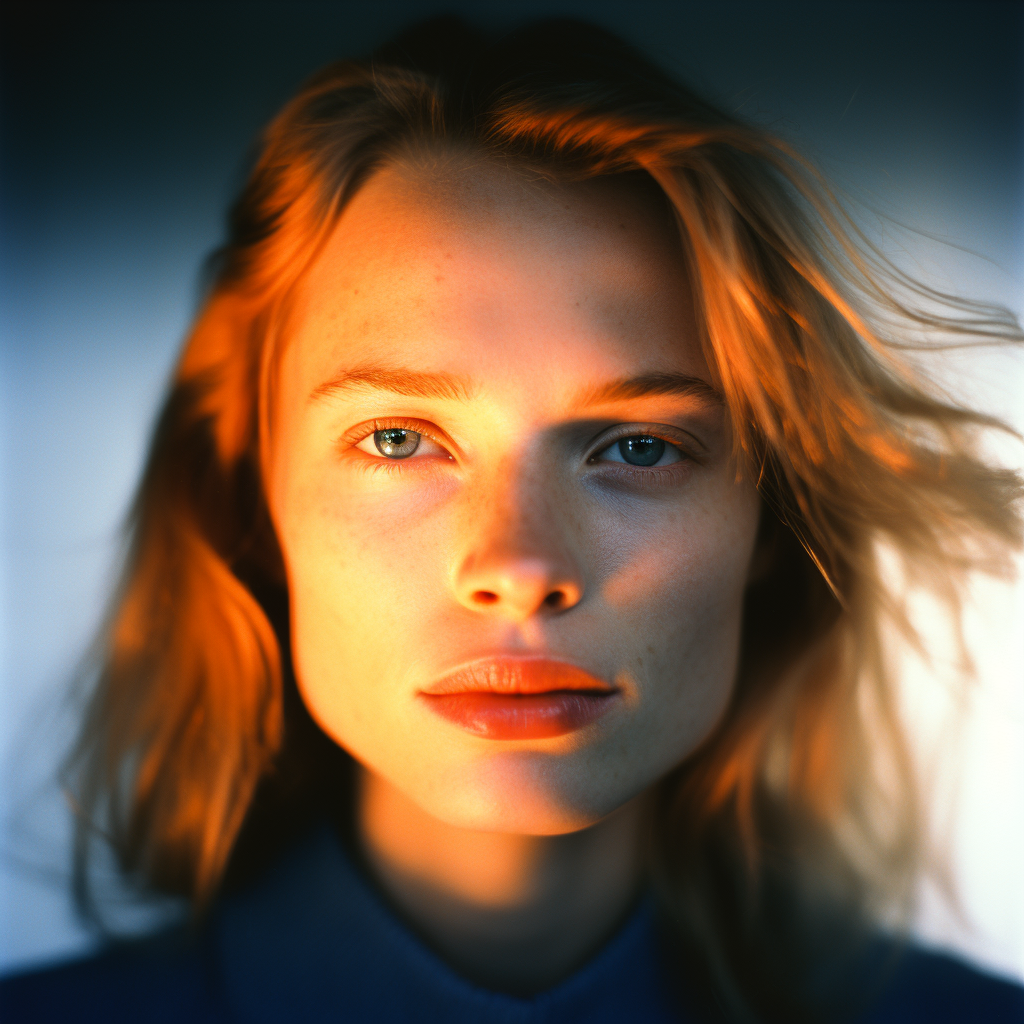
(677, 599)
(363, 562)
(684, 569)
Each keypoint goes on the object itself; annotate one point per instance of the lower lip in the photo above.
(521, 716)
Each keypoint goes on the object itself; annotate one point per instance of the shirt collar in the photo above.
(314, 941)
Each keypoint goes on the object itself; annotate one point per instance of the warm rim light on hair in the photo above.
(803, 325)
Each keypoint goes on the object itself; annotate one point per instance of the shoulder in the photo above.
(937, 988)
(164, 979)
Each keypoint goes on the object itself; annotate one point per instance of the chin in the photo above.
(527, 793)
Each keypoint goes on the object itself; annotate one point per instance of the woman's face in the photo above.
(516, 542)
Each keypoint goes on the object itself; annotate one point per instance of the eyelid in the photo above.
(362, 431)
(678, 438)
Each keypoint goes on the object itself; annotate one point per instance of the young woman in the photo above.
(500, 635)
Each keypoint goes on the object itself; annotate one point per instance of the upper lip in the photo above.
(509, 674)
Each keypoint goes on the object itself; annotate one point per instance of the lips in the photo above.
(520, 698)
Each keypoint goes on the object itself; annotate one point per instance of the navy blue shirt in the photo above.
(313, 941)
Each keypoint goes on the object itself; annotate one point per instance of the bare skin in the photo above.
(518, 331)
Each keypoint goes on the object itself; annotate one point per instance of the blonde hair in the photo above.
(804, 798)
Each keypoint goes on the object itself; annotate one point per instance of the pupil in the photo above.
(641, 451)
(396, 443)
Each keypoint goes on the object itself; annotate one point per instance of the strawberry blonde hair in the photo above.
(800, 811)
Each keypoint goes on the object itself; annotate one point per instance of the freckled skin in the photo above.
(534, 292)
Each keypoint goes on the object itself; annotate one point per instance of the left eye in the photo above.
(641, 450)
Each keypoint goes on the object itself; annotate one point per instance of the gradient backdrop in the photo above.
(125, 132)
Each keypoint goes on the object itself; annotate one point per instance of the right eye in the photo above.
(397, 443)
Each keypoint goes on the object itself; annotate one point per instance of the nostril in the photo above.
(485, 597)
(555, 599)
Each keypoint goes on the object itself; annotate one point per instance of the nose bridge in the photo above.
(517, 554)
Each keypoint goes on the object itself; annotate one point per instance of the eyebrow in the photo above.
(644, 384)
(397, 379)
(419, 384)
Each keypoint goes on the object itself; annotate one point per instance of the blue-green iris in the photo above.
(641, 451)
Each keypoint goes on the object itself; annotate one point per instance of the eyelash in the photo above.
(645, 474)
(381, 464)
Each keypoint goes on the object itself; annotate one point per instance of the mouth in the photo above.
(509, 698)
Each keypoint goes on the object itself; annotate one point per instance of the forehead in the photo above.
(462, 264)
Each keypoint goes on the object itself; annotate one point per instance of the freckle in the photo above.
(438, 278)
(355, 291)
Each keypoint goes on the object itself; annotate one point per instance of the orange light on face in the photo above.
(546, 510)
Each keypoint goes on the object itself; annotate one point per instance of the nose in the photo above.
(518, 560)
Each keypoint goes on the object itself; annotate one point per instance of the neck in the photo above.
(512, 912)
